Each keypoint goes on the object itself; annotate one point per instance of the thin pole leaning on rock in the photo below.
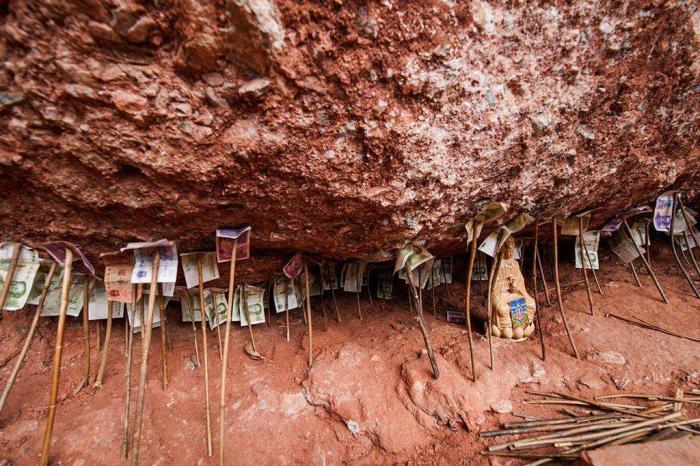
(105, 346)
(686, 217)
(467, 305)
(202, 307)
(129, 342)
(163, 343)
(146, 331)
(595, 275)
(30, 335)
(308, 308)
(58, 353)
(286, 304)
(421, 323)
(584, 262)
(489, 319)
(10, 274)
(86, 337)
(544, 280)
(227, 339)
(646, 264)
(558, 286)
(190, 308)
(358, 284)
(335, 302)
(538, 310)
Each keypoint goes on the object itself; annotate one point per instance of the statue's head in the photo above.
(509, 248)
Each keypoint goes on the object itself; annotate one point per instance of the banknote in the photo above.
(143, 260)
(570, 225)
(591, 240)
(118, 282)
(135, 320)
(479, 272)
(436, 274)
(419, 258)
(488, 246)
(52, 304)
(385, 286)
(612, 226)
(680, 242)
(294, 266)
(624, 248)
(330, 278)
(210, 268)
(189, 305)
(226, 238)
(254, 301)
(679, 224)
(28, 264)
(39, 281)
(97, 309)
(216, 309)
(354, 270)
(402, 256)
(663, 211)
(639, 233)
(447, 263)
(57, 250)
(279, 293)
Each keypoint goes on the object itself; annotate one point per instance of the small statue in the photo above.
(513, 308)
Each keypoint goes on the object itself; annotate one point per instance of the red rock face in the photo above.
(340, 129)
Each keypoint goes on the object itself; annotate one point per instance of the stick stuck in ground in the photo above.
(227, 337)
(538, 309)
(86, 338)
(146, 331)
(163, 343)
(308, 311)
(30, 334)
(202, 307)
(467, 304)
(58, 353)
(105, 347)
(558, 286)
(421, 323)
(10, 274)
(584, 262)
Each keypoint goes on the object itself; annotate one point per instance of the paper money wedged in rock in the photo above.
(591, 240)
(135, 317)
(569, 226)
(52, 304)
(479, 272)
(143, 261)
(492, 212)
(679, 224)
(189, 305)
(639, 233)
(663, 211)
(97, 307)
(385, 286)
(119, 267)
(57, 250)
(624, 248)
(39, 279)
(210, 268)
(351, 276)
(28, 264)
(295, 265)
(279, 294)
(255, 298)
(226, 238)
(493, 243)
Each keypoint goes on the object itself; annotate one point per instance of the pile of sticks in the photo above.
(603, 422)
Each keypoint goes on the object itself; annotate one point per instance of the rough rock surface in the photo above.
(339, 128)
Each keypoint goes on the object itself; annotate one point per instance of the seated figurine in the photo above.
(513, 308)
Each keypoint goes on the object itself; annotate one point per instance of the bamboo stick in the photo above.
(86, 338)
(28, 339)
(690, 253)
(538, 310)
(634, 273)
(129, 342)
(467, 303)
(644, 260)
(544, 281)
(583, 264)
(58, 353)
(647, 325)
(421, 323)
(202, 307)
(556, 282)
(358, 283)
(595, 275)
(286, 304)
(99, 338)
(227, 336)
(494, 269)
(432, 289)
(105, 347)
(246, 310)
(14, 259)
(188, 297)
(545, 422)
(688, 223)
(163, 344)
(218, 334)
(308, 310)
(146, 331)
(335, 303)
(369, 291)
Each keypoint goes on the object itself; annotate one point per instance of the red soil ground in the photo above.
(372, 372)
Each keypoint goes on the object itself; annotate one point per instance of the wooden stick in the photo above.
(358, 283)
(85, 380)
(10, 274)
(692, 232)
(467, 304)
(218, 334)
(246, 310)
(188, 297)
(421, 323)
(202, 307)
(494, 269)
(286, 304)
(146, 331)
(538, 310)
(58, 353)
(690, 253)
(444, 278)
(308, 307)
(163, 344)
(98, 331)
(644, 260)
(129, 342)
(583, 264)
(105, 348)
(595, 275)
(647, 325)
(227, 336)
(544, 281)
(369, 291)
(30, 335)
(634, 273)
(558, 286)
(335, 303)
(432, 289)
